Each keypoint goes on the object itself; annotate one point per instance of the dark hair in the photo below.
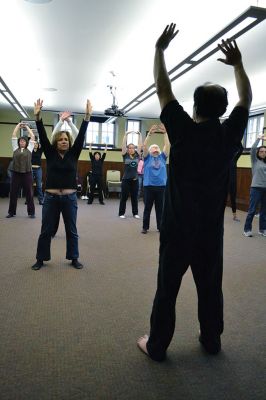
(24, 138)
(97, 152)
(257, 154)
(131, 144)
(210, 101)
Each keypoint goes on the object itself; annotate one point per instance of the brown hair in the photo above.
(57, 136)
(258, 149)
(23, 138)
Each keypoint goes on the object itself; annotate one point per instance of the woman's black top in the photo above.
(97, 165)
(61, 172)
(36, 157)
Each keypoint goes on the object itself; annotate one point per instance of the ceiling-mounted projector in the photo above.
(114, 111)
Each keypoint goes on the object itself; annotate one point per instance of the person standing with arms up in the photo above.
(155, 177)
(64, 125)
(61, 186)
(36, 161)
(258, 188)
(96, 174)
(130, 184)
(195, 197)
(21, 171)
(65, 118)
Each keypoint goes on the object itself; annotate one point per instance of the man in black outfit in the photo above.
(193, 216)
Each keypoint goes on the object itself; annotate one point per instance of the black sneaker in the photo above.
(212, 346)
(144, 231)
(76, 264)
(31, 215)
(102, 203)
(38, 265)
(9, 216)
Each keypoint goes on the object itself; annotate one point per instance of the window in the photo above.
(32, 125)
(108, 133)
(92, 135)
(254, 128)
(100, 133)
(133, 125)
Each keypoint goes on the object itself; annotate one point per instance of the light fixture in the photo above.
(246, 21)
(38, 1)
(8, 95)
(50, 89)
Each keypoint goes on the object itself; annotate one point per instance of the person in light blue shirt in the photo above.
(155, 177)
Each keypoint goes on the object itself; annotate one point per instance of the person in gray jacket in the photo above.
(258, 188)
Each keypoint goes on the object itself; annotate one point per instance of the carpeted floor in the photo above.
(69, 334)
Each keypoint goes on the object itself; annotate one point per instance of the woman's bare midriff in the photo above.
(60, 191)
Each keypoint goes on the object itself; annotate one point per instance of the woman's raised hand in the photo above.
(37, 108)
(88, 110)
(64, 116)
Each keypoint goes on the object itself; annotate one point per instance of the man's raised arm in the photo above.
(233, 57)
(161, 77)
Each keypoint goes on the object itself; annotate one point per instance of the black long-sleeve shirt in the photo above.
(36, 157)
(97, 165)
(61, 171)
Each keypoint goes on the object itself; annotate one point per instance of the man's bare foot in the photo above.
(142, 344)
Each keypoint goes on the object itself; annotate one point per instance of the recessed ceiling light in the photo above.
(38, 1)
(50, 89)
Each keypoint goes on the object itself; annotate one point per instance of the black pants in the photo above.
(19, 181)
(93, 181)
(153, 194)
(52, 207)
(207, 273)
(129, 186)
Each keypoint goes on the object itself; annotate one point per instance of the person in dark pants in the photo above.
(155, 177)
(21, 171)
(258, 188)
(140, 170)
(195, 197)
(73, 131)
(36, 161)
(233, 183)
(61, 186)
(130, 184)
(96, 175)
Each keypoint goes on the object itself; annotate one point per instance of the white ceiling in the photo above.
(72, 45)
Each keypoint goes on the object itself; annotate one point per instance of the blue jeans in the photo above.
(37, 177)
(52, 207)
(140, 179)
(257, 195)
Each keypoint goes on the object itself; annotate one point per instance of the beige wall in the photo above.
(10, 119)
